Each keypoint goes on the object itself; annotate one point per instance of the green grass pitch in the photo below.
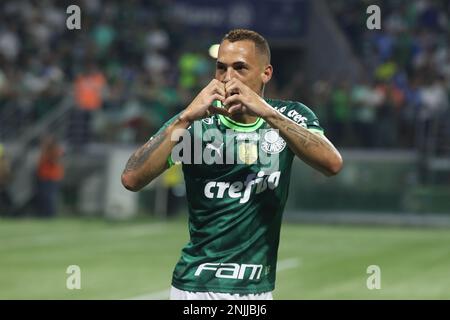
(122, 260)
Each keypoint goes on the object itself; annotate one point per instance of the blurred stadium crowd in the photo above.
(407, 64)
(136, 75)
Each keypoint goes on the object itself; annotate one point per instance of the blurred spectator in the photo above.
(364, 101)
(435, 103)
(192, 66)
(321, 92)
(50, 172)
(155, 61)
(5, 175)
(434, 99)
(104, 35)
(9, 42)
(341, 113)
(89, 88)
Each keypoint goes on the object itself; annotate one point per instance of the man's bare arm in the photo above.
(314, 149)
(150, 160)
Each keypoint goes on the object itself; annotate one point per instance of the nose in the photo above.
(228, 75)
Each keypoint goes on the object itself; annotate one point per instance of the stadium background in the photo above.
(381, 95)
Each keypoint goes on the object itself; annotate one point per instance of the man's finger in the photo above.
(231, 88)
(232, 99)
(220, 89)
(234, 83)
(218, 97)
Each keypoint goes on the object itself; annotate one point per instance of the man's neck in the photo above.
(244, 118)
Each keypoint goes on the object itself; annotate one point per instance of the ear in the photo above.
(267, 74)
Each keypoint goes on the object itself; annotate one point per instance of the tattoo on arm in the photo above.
(309, 139)
(141, 155)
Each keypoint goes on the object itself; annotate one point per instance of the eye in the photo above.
(240, 67)
(220, 67)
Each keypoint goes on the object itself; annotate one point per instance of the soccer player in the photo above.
(235, 207)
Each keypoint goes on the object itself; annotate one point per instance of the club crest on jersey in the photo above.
(272, 142)
(247, 152)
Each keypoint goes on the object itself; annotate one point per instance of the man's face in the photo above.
(241, 60)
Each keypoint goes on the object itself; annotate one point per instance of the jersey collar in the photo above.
(243, 127)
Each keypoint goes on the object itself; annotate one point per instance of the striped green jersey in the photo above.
(237, 180)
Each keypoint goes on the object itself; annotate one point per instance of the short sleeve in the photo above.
(304, 116)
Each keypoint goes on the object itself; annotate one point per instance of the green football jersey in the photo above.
(237, 181)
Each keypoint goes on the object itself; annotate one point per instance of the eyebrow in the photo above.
(234, 64)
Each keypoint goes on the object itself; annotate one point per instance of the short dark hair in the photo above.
(260, 42)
